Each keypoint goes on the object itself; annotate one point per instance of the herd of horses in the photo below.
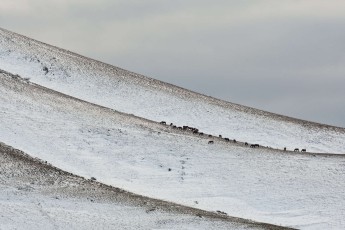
(196, 131)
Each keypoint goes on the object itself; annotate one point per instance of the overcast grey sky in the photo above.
(283, 56)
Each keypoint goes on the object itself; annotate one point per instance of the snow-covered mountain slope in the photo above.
(132, 93)
(265, 185)
(34, 195)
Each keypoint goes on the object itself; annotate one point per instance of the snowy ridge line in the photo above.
(157, 84)
(137, 119)
(27, 81)
(106, 85)
(135, 199)
(205, 136)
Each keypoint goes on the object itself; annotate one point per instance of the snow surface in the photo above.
(132, 93)
(299, 190)
(34, 196)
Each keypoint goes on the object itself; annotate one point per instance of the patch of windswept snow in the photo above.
(131, 93)
(266, 185)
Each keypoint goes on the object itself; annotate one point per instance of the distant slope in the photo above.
(132, 93)
(34, 195)
(298, 190)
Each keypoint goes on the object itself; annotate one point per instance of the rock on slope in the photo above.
(132, 93)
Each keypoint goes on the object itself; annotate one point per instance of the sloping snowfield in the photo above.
(266, 185)
(34, 195)
(132, 93)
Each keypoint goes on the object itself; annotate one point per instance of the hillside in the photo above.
(34, 195)
(124, 91)
(151, 159)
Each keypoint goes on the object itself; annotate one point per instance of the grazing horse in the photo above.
(163, 122)
(200, 134)
(185, 127)
(255, 145)
(245, 143)
(303, 150)
(235, 141)
(210, 142)
(209, 135)
(296, 150)
(195, 131)
(227, 139)
(174, 126)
